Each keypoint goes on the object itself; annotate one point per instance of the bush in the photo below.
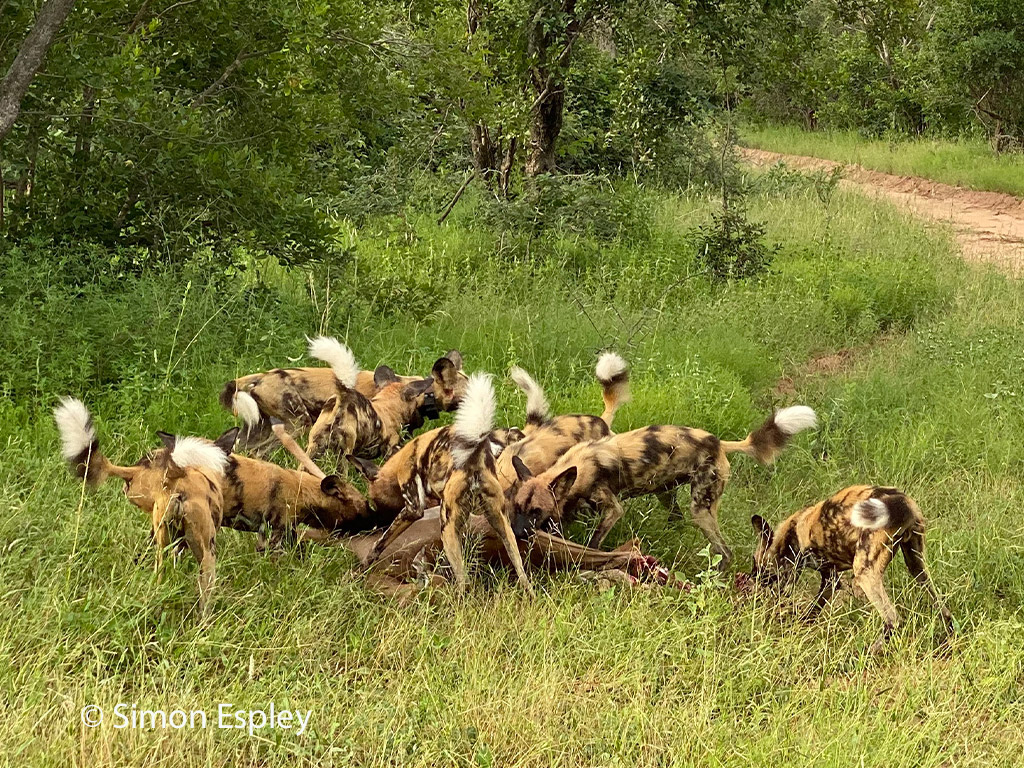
(588, 205)
(731, 247)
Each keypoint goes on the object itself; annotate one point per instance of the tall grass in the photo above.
(966, 162)
(928, 401)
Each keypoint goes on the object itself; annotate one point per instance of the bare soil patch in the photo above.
(989, 226)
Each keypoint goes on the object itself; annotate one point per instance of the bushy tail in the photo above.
(613, 373)
(79, 445)
(474, 420)
(538, 410)
(894, 510)
(245, 407)
(768, 440)
(338, 356)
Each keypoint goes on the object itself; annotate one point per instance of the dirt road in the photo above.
(989, 226)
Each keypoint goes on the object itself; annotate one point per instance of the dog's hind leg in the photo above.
(454, 516)
(913, 556)
(494, 511)
(451, 539)
(706, 488)
(868, 566)
(415, 502)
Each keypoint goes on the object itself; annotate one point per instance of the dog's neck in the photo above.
(393, 408)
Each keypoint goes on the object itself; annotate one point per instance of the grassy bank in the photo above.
(926, 397)
(967, 163)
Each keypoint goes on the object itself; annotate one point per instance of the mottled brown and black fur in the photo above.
(651, 460)
(546, 438)
(473, 487)
(259, 495)
(297, 396)
(414, 478)
(859, 529)
(367, 428)
(185, 504)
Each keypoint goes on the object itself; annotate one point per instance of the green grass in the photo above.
(929, 402)
(967, 163)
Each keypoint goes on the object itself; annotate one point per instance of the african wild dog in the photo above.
(179, 486)
(255, 494)
(296, 396)
(859, 528)
(651, 460)
(473, 486)
(293, 503)
(547, 438)
(366, 428)
(415, 477)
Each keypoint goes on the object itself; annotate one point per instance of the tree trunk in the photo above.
(550, 51)
(545, 125)
(23, 187)
(507, 163)
(3, 194)
(83, 139)
(486, 145)
(29, 59)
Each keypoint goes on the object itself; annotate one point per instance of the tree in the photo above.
(552, 31)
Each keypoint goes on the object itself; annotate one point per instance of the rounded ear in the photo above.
(456, 357)
(368, 469)
(762, 529)
(445, 372)
(332, 485)
(522, 471)
(562, 484)
(226, 442)
(383, 376)
(167, 439)
(417, 388)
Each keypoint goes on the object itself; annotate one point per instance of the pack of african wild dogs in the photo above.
(514, 490)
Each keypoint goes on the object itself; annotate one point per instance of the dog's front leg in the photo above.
(670, 501)
(826, 591)
(610, 509)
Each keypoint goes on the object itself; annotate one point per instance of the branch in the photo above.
(451, 205)
(212, 88)
(29, 59)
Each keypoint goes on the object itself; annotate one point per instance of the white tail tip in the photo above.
(536, 401)
(338, 356)
(871, 514)
(609, 367)
(75, 425)
(246, 408)
(795, 418)
(475, 418)
(197, 453)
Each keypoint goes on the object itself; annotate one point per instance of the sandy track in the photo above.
(989, 226)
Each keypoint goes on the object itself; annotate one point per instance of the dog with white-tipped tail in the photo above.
(180, 486)
(473, 487)
(651, 460)
(859, 529)
(297, 396)
(546, 437)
